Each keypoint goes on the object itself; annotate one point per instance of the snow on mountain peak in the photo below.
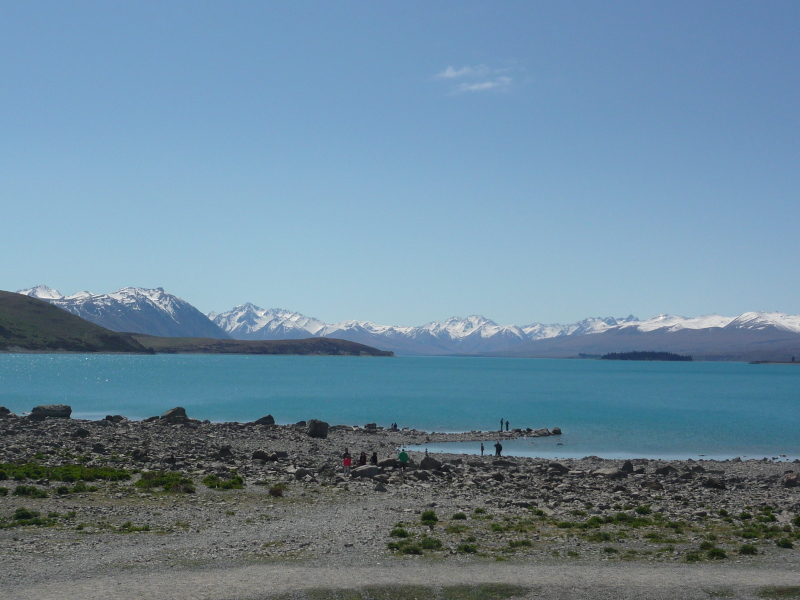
(42, 292)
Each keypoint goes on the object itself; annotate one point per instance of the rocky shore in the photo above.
(113, 494)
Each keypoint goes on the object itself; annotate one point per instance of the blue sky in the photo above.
(404, 162)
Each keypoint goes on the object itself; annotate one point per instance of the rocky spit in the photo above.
(290, 501)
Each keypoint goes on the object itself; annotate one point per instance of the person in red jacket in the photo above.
(347, 462)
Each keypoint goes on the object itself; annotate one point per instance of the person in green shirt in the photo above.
(403, 458)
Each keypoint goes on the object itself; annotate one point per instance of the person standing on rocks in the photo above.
(347, 463)
(374, 459)
(362, 459)
(498, 448)
(481, 448)
(501, 425)
(403, 458)
(506, 425)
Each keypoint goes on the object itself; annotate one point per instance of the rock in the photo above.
(666, 470)
(317, 429)
(653, 485)
(555, 431)
(429, 463)
(115, 418)
(371, 427)
(558, 467)
(389, 463)
(368, 471)
(503, 463)
(151, 419)
(268, 420)
(456, 461)
(422, 475)
(380, 488)
(260, 455)
(80, 432)
(697, 469)
(98, 448)
(791, 479)
(278, 454)
(301, 472)
(224, 452)
(174, 416)
(56, 411)
(714, 484)
(139, 455)
(610, 473)
(4, 412)
(627, 467)
(498, 476)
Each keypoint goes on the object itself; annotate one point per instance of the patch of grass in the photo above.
(520, 543)
(692, 557)
(398, 532)
(572, 554)
(467, 548)
(479, 511)
(276, 491)
(748, 550)
(706, 546)
(745, 516)
(3, 491)
(167, 480)
(235, 482)
(784, 543)
(24, 517)
(429, 543)
(456, 528)
(29, 491)
(481, 591)
(716, 554)
(600, 536)
(644, 510)
(610, 550)
(429, 516)
(128, 527)
(67, 473)
(459, 516)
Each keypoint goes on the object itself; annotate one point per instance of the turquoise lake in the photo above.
(609, 409)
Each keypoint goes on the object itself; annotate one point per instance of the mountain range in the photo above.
(750, 336)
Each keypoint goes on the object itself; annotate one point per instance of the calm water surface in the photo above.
(604, 408)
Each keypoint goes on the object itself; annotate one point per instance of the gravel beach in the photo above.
(175, 508)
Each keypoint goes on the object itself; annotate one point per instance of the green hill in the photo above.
(308, 346)
(33, 325)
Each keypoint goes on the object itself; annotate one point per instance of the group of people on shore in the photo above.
(347, 460)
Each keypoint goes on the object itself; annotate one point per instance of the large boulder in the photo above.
(389, 463)
(714, 484)
(268, 420)
(4, 412)
(317, 429)
(175, 415)
(557, 467)
(555, 431)
(368, 471)
(791, 479)
(627, 467)
(260, 455)
(610, 473)
(56, 411)
(429, 463)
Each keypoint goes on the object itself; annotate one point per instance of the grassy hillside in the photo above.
(29, 324)
(307, 346)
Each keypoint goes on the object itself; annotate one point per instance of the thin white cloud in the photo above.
(481, 86)
(466, 71)
(477, 78)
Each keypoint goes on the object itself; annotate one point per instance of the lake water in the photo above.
(610, 409)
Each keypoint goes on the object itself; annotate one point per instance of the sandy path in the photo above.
(545, 580)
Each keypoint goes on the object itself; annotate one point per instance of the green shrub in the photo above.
(24, 513)
(479, 511)
(707, 546)
(429, 543)
(467, 548)
(722, 512)
(429, 516)
(784, 543)
(716, 554)
(744, 516)
(167, 480)
(398, 532)
(411, 549)
(644, 510)
(66, 473)
(692, 557)
(276, 491)
(459, 517)
(610, 550)
(129, 527)
(796, 521)
(61, 490)
(30, 491)
(519, 543)
(3, 491)
(456, 528)
(600, 536)
(748, 550)
(216, 483)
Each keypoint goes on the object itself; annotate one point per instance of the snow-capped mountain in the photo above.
(249, 322)
(134, 310)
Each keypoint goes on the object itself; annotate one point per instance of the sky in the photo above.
(404, 162)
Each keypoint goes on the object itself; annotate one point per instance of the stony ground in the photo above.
(575, 528)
